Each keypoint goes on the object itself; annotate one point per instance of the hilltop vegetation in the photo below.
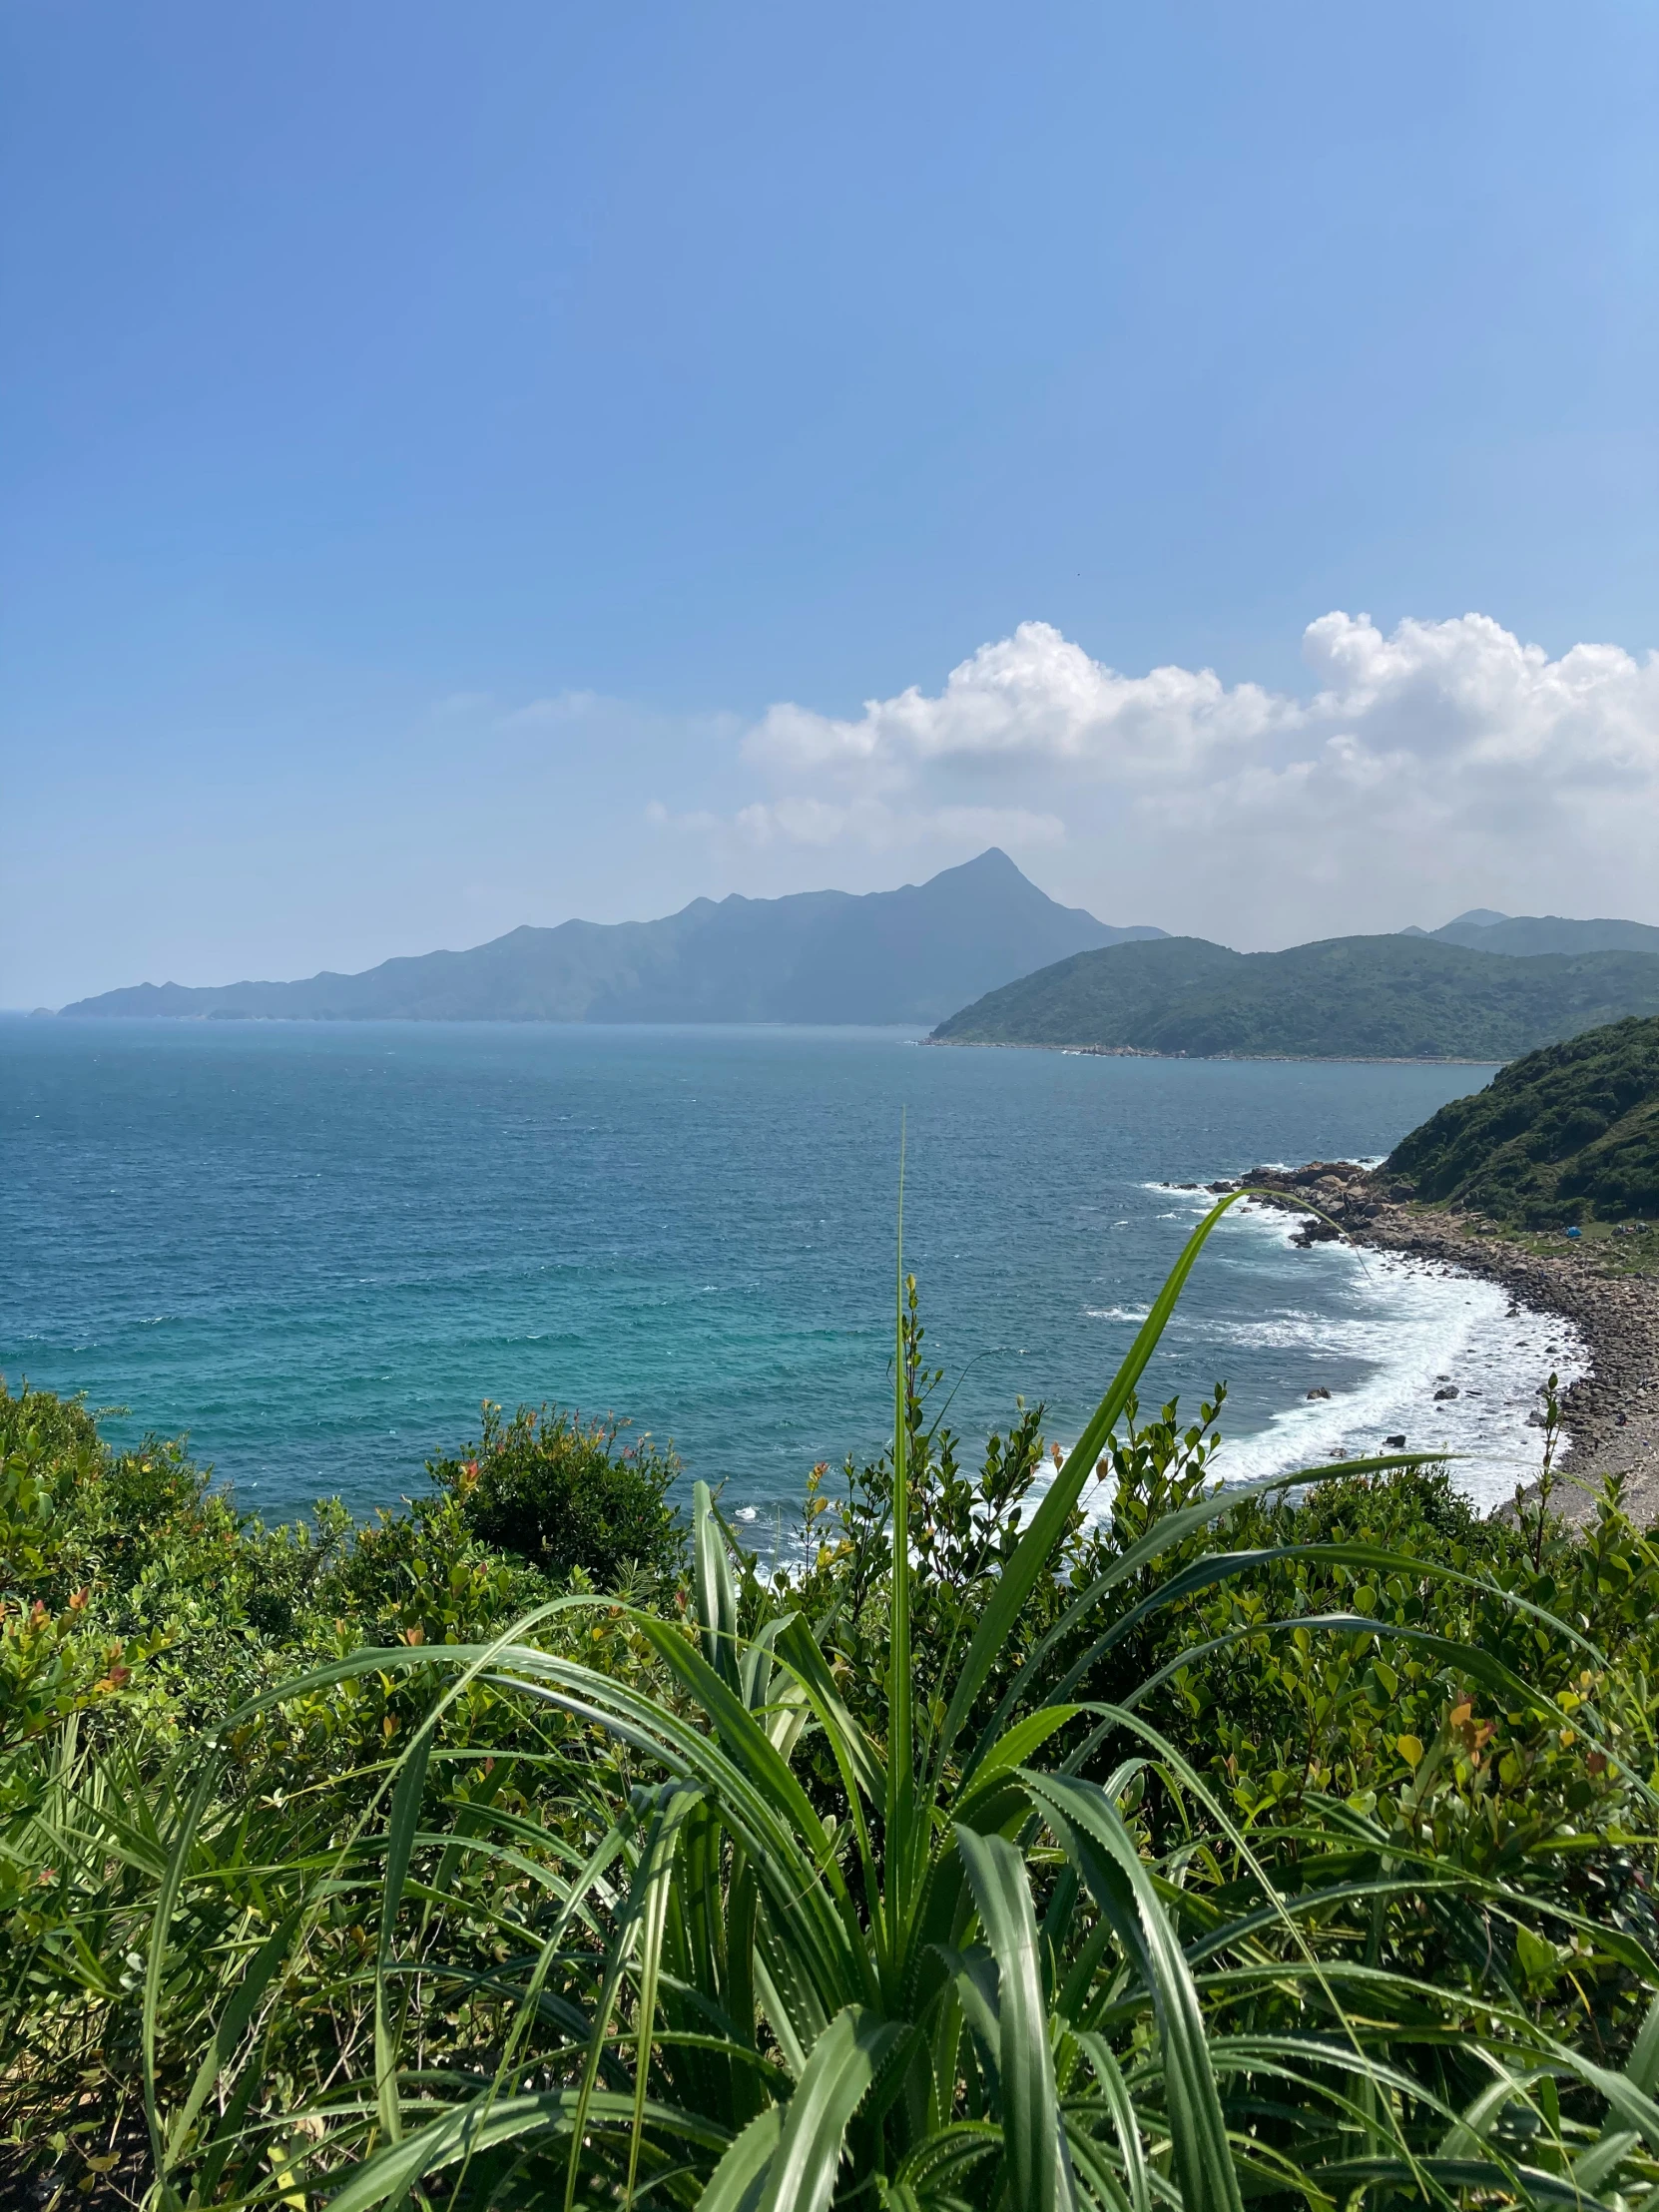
(984, 1856)
(1568, 1134)
(1396, 997)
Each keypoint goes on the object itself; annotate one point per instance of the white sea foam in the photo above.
(1412, 1326)
(1435, 1329)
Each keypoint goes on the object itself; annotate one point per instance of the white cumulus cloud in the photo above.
(1443, 764)
(1034, 697)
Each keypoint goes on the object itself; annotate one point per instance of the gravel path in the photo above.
(1612, 1413)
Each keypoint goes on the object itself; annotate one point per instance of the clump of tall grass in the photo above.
(649, 1910)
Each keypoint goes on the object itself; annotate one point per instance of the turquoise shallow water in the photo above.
(317, 1246)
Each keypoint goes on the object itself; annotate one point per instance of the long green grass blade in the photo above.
(1115, 2090)
(160, 1928)
(1454, 2180)
(739, 2182)
(976, 1985)
(1012, 1750)
(1091, 1831)
(674, 1804)
(676, 1817)
(943, 2156)
(899, 1836)
(717, 1597)
(793, 1856)
(1036, 1546)
(1166, 1532)
(232, 2026)
(401, 1833)
(1205, 1573)
(487, 2121)
(1594, 2166)
(843, 2063)
(862, 1770)
(1039, 2169)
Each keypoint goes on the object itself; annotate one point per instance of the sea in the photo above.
(315, 1247)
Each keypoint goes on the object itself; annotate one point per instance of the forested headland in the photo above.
(1396, 997)
(1569, 1134)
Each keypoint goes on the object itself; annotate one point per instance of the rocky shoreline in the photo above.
(1612, 1413)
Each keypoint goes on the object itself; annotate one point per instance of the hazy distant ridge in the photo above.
(1533, 934)
(906, 955)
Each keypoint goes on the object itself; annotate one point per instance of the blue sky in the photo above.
(473, 466)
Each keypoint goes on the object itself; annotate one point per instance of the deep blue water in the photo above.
(317, 1246)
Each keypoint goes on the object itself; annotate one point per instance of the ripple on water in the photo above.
(332, 1242)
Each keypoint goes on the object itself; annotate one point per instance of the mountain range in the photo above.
(907, 955)
(1483, 931)
(1408, 997)
(980, 952)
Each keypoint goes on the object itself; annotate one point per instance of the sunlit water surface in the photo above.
(317, 1246)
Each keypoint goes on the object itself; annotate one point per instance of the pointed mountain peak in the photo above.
(992, 861)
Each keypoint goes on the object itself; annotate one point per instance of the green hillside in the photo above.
(1393, 997)
(1568, 1134)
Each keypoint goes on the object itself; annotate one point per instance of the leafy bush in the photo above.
(563, 1495)
(995, 1853)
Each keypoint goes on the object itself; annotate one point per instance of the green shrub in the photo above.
(1197, 1850)
(564, 1495)
(135, 1571)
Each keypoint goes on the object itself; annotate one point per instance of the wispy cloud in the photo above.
(806, 819)
(560, 709)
